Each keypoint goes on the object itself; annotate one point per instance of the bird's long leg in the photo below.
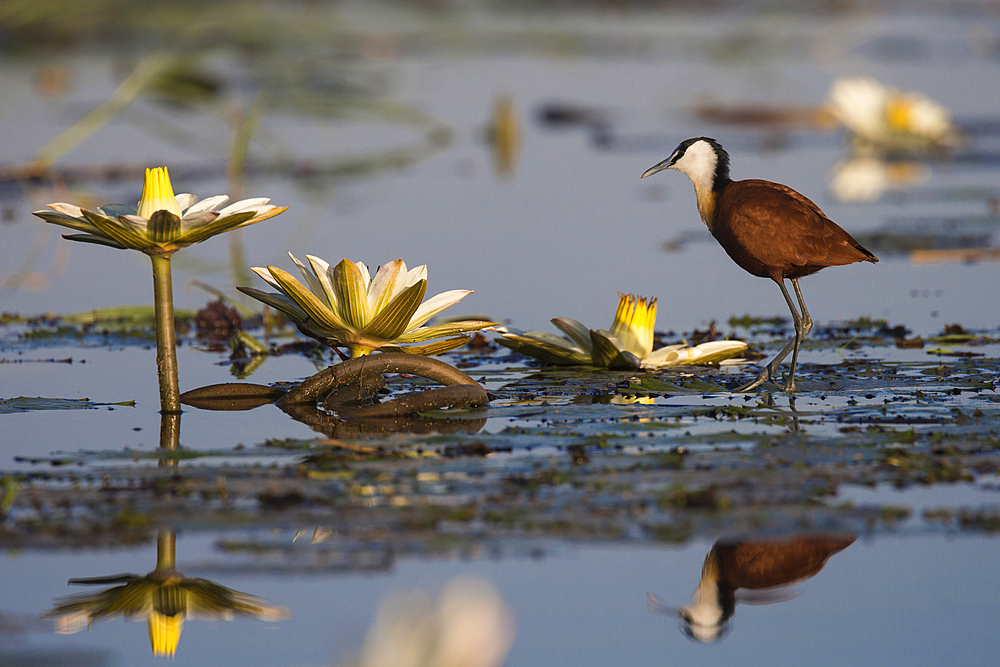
(803, 326)
(793, 344)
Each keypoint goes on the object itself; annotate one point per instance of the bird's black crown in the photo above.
(721, 164)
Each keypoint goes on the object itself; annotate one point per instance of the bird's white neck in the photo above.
(701, 164)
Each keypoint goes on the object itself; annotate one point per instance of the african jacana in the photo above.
(767, 228)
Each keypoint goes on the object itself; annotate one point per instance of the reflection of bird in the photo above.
(768, 229)
(752, 564)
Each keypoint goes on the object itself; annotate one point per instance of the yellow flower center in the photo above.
(157, 194)
(634, 322)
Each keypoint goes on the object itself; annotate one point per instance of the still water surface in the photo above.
(889, 600)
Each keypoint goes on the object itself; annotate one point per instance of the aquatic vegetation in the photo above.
(345, 306)
(160, 225)
(627, 345)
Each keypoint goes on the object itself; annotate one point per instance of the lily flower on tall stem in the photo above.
(344, 306)
(160, 225)
(627, 345)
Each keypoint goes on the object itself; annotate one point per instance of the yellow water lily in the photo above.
(627, 345)
(161, 223)
(347, 307)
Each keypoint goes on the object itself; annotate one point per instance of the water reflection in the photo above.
(468, 626)
(761, 566)
(332, 426)
(164, 597)
(505, 136)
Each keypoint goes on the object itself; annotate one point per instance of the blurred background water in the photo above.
(500, 144)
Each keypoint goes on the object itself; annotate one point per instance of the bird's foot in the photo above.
(789, 386)
(764, 376)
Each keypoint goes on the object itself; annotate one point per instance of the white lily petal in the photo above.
(137, 221)
(114, 210)
(387, 283)
(575, 330)
(312, 282)
(365, 275)
(324, 273)
(415, 275)
(209, 204)
(186, 200)
(554, 340)
(665, 356)
(197, 220)
(70, 210)
(435, 305)
(244, 205)
(266, 275)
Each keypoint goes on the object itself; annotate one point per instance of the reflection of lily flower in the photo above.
(346, 306)
(468, 627)
(890, 118)
(161, 223)
(628, 345)
(865, 178)
(165, 598)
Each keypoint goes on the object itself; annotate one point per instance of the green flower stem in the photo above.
(166, 550)
(166, 340)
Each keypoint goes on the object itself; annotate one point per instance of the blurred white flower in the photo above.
(468, 626)
(889, 118)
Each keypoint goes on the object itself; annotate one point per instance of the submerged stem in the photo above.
(166, 341)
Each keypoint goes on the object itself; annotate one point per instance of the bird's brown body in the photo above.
(768, 229)
(772, 231)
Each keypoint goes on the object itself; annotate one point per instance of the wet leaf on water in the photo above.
(231, 396)
(31, 404)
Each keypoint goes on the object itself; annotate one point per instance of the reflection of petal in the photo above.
(860, 179)
(865, 178)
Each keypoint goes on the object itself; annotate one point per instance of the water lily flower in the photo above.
(887, 117)
(347, 307)
(628, 344)
(161, 223)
